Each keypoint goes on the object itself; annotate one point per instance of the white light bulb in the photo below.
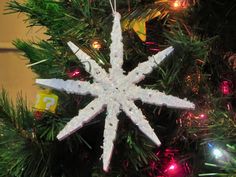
(217, 153)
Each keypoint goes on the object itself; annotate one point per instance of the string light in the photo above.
(197, 115)
(226, 87)
(176, 4)
(172, 168)
(96, 44)
(217, 153)
(74, 73)
(193, 81)
(168, 165)
(152, 46)
(202, 116)
(229, 107)
(179, 4)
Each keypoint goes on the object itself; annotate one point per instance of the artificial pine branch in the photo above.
(82, 20)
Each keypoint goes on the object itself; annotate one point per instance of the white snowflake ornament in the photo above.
(115, 91)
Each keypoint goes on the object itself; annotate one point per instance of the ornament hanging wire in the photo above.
(113, 8)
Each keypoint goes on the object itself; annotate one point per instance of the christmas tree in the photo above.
(129, 88)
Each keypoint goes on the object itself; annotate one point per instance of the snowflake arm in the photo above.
(116, 49)
(90, 65)
(85, 115)
(111, 124)
(158, 98)
(138, 74)
(139, 119)
(71, 86)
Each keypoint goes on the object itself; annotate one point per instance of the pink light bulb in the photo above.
(226, 87)
(74, 73)
(202, 116)
(172, 168)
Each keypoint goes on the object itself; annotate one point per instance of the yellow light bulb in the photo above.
(96, 45)
(176, 4)
(179, 4)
